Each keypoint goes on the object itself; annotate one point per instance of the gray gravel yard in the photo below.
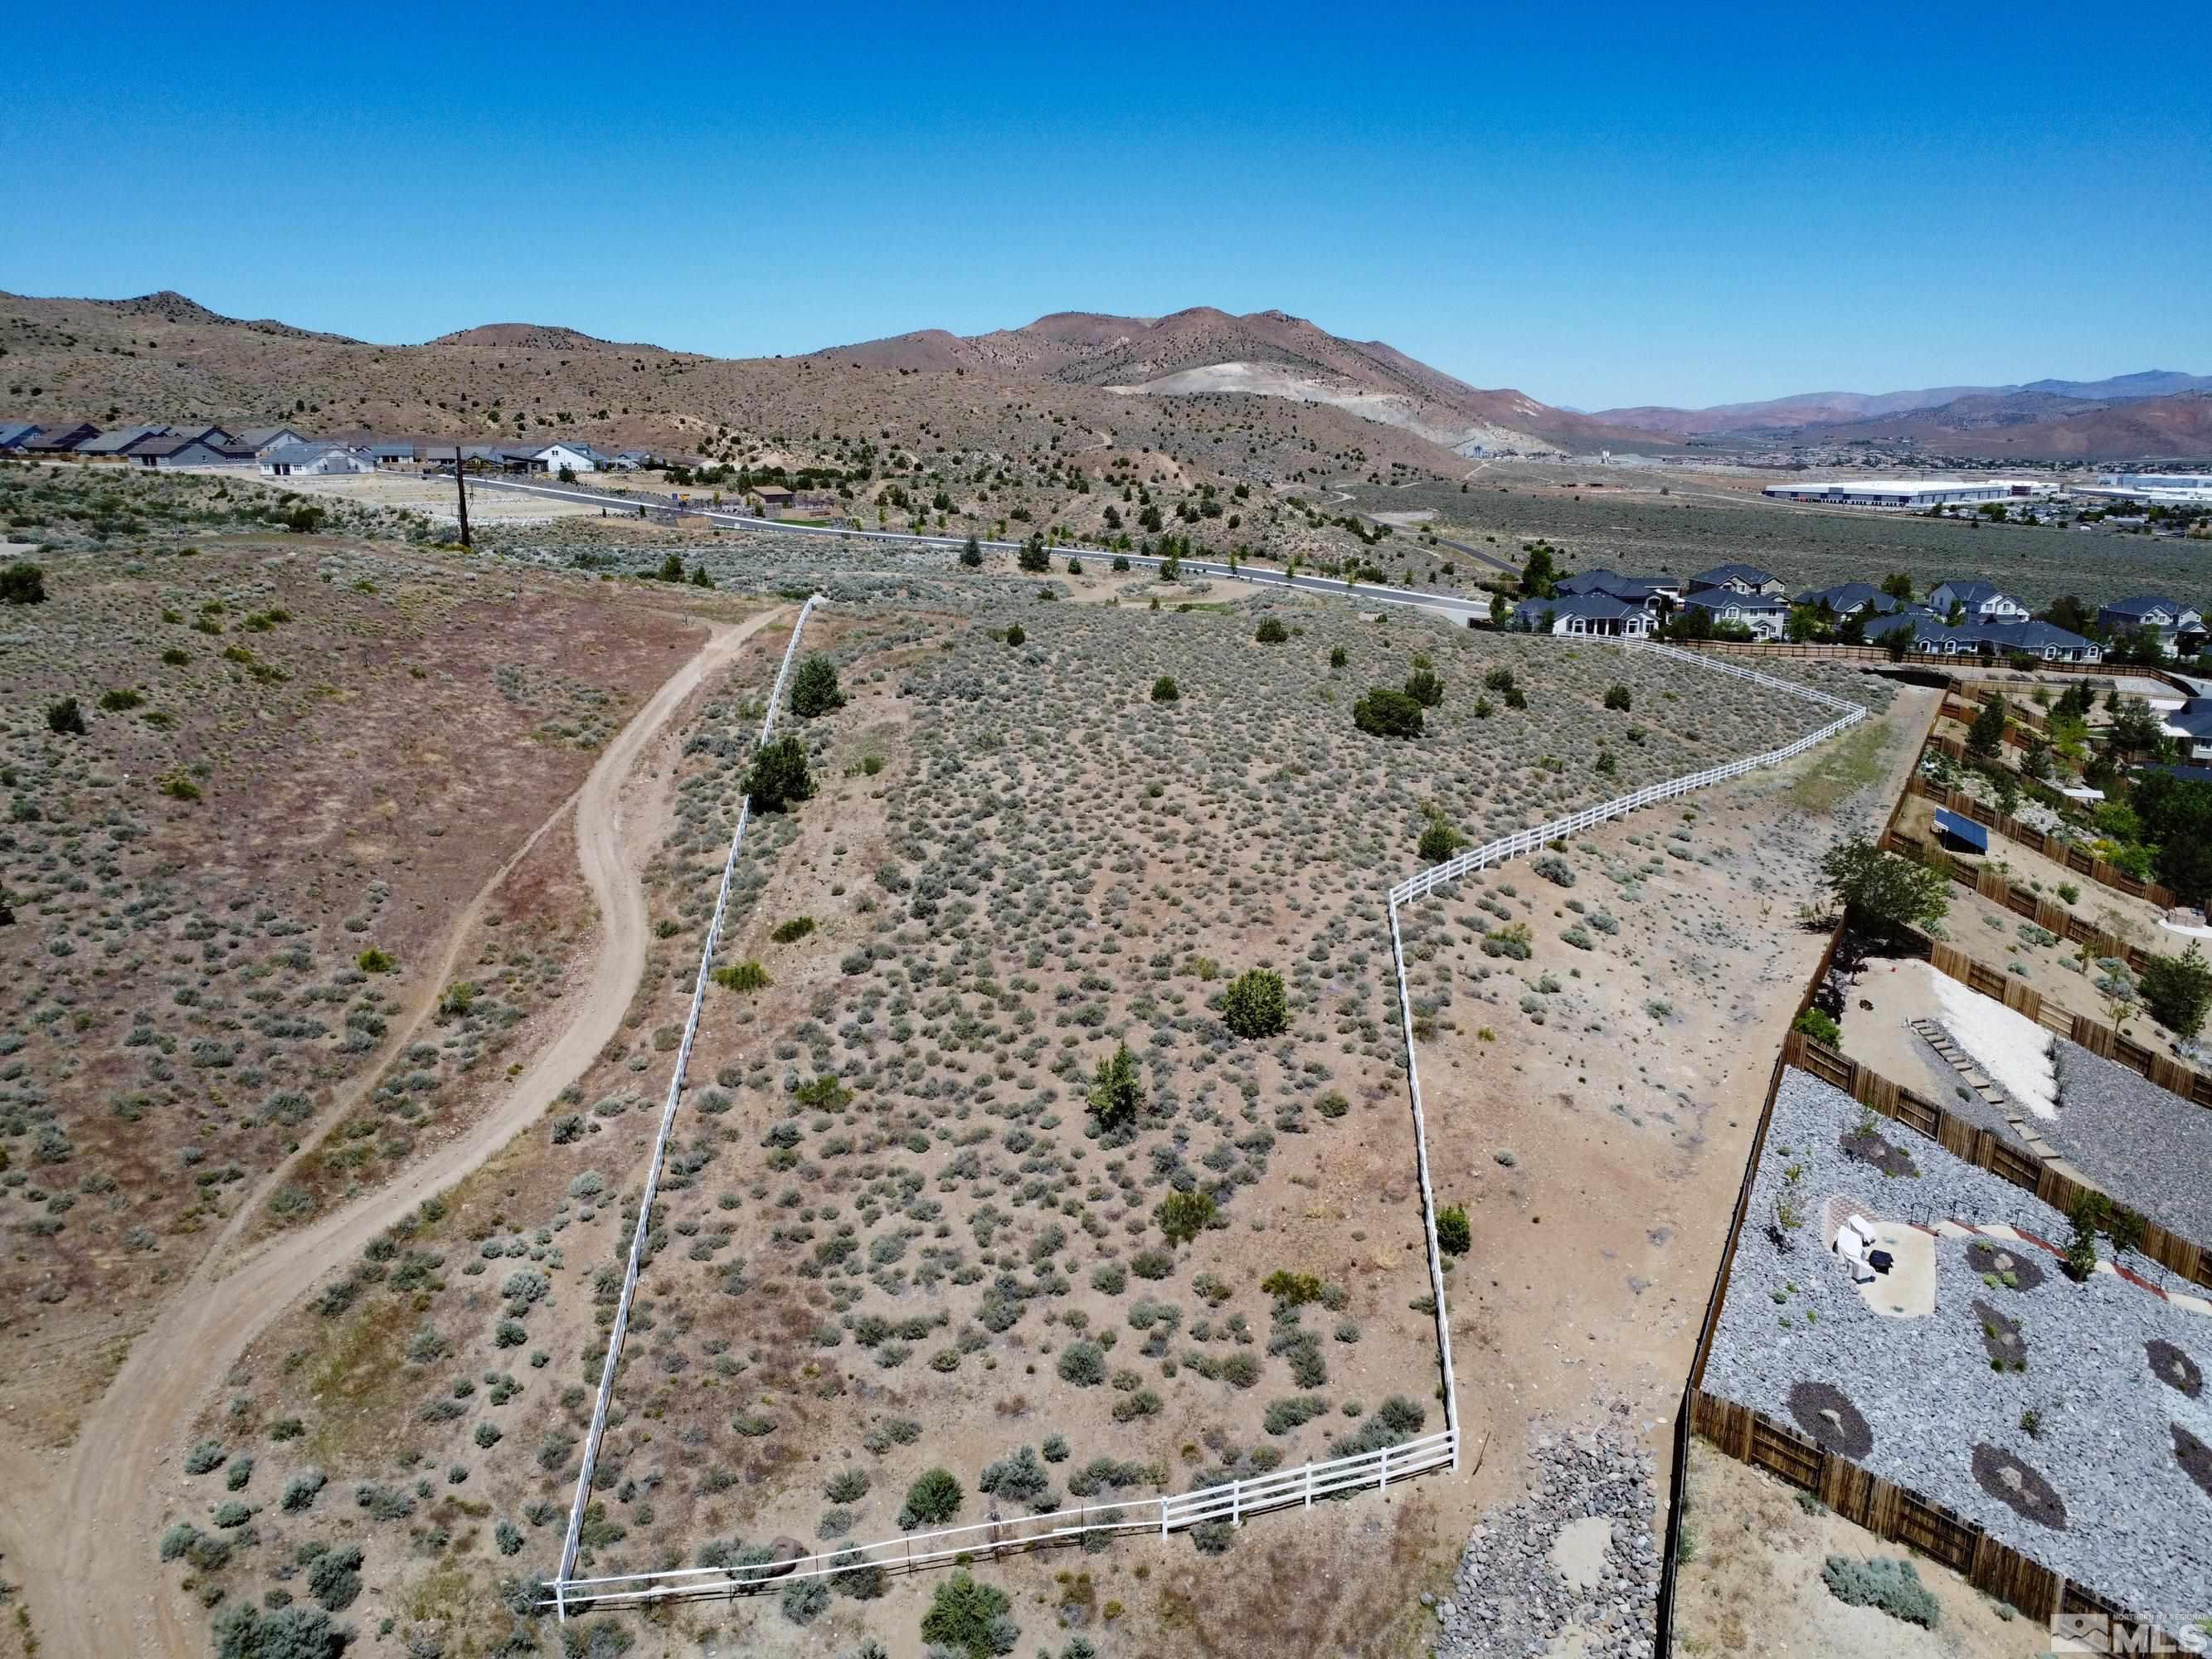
(2134, 1527)
(2144, 1145)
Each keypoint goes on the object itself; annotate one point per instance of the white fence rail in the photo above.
(1231, 1501)
(621, 1327)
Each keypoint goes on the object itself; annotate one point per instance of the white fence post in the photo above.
(1385, 1480)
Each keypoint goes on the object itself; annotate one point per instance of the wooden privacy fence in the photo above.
(1985, 1149)
(1892, 1512)
(2104, 874)
(2050, 914)
(2100, 1039)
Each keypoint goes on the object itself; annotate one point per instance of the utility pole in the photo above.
(461, 490)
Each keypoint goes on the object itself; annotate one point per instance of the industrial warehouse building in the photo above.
(2167, 488)
(1912, 494)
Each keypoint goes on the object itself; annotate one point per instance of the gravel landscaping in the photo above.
(2146, 1145)
(2096, 1483)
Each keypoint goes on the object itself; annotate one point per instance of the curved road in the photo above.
(92, 1574)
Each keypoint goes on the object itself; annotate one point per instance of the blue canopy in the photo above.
(1949, 826)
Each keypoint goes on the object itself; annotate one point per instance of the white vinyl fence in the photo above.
(620, 1326)
(1231, 1501)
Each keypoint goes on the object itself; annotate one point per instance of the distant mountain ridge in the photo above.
(1830, 408)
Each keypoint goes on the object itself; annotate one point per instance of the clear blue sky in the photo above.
(1597, 205)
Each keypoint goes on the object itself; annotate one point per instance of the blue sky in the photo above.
(1599, 206)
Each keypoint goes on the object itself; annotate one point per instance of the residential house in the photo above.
(184, 446)
(1935, 635)
(775, 500)
(1585, 613)
(1647, 591)
(629, 460)
(551, 458)
(315, 461)
(2179, 629)
(1981, 601)
(60, 440)
(14, 434)
(116, 445)
(1764, 615)
(258, 441)
(390, 457)
(1850, 599)
(2192, 723)
(1745, 578)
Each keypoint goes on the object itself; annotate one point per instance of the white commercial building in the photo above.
(1913, 495)
(2174, 487)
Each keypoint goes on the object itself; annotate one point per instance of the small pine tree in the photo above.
(1116, 1093)
(1255, 1003)
(814, 689)
(65, 718)
(1164, 689)
(1272, 632)
(1015, 636)
(1034, 559)
(1454, 1237)
(23, 583)
(971, 553)
(1616, 696)
(779, 775)
(1425, 688)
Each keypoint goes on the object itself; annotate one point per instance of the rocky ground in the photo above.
(1576, 1560)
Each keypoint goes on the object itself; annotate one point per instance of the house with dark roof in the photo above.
(2180, 628)
(1647, 591)
(1935, 635)
(1980, 600)
(389, 457)
(1599, 615)
(117, 444)
(2192, 723)
(1746, 579)
(184, 446)
(1764, 615)
(60, 440)
(1850, 599)
(13, 434)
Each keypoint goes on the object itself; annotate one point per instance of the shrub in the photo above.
(1294, 1413)
(1453, 1235)
(1338, 657)
(207, 1455)
(1439, 841)
(23, 583)
(971, 554)
(300, 1490)
(1083, 1364)
(1616, 696)
(935, 1496)
(1117, 1095)
(1554, 869)
(65, 719)
(1019, 1477)
(1272, 632)
(1511, 940)
(779, 775)
(1383, 713)
(1883, 1582)
(814, 689)
(1820, 1027)
(120, 701)
(788, 933)
(1256, 1005)
(1017, 635)
(1164, 689)
(1293, 1289)
(1183, 1216)
(969, 1618)
(805, 1601)
(244, 1632)
(374, 961)
(742, 976)
(1425, 688)
(178, 786)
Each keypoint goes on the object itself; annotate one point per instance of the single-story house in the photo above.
(2192, 723)
(2178, 627)
(315, 461)
(1765, 617)
(1850, 599)
(1960, 833)
(773, 499)
(1937, 636)
(1586, 614)
(551, 458)
(59, 440)
(629, 460)
(15, 433)
(258, 441)
(388, 456)
(117, 444)
(1746, 579)
(1981, 601)
(183, 447)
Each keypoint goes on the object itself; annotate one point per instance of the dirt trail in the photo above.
(83, 1531)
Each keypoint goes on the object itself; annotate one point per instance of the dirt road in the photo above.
(79, 1530)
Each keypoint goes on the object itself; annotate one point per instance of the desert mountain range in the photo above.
(1318, 401)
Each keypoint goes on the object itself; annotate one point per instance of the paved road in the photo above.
(1457, 609)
